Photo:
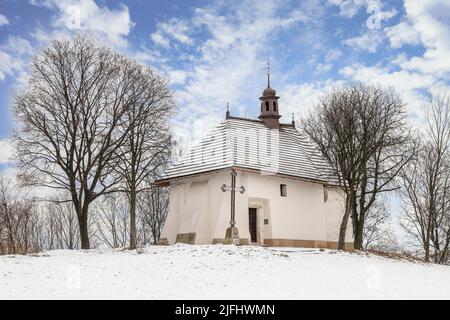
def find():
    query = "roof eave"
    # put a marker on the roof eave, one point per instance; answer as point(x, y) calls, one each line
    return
point(167, 181)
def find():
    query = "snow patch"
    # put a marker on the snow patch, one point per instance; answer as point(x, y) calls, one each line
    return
point(218, 272)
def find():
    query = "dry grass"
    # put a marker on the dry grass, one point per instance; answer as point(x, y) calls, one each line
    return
point(403, 255)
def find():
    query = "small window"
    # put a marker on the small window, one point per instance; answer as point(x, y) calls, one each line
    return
point(267, 105)
point(275, 106)
point(283, 190)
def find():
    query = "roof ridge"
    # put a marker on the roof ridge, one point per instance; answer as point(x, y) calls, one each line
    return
point(256, 120)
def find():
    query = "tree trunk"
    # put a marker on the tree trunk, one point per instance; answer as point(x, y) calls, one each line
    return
point(427, 252)
point(84, 230)
point(344, 223)
point(359, 235)
point(132, 198)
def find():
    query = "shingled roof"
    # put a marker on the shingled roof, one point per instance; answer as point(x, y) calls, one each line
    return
point(249, 144)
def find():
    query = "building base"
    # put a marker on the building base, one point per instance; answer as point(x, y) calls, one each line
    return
point(232, 236)
point(306, 244)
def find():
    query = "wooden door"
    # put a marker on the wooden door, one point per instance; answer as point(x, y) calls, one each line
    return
point(252, 224)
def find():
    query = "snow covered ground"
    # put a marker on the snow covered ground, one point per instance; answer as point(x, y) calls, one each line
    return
point(217, 272)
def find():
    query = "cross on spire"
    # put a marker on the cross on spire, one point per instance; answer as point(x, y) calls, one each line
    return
point(268, 74)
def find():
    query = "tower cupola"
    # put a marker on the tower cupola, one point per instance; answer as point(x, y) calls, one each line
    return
point(269, 105)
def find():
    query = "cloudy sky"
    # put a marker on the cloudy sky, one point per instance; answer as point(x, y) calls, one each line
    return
point(214, 52)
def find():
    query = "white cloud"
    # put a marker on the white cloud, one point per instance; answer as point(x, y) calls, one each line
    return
point(402, 33)
point(405, 82)
point(173, 30)
point(350, 8)
point(17, 45)
point(7, 65)
point(9, 174)
point(177, 76)
point(403, 79)
point(333, 55)
point(112, 25)
point(323, 67)
point(107, 26)
point(231, 61)
point(299, 98)
point(430, 19)
point(347, 8)
point(6, 151)
point(426, 23)
point(14, 53)
point(368, 41)
point(385, 15)
point(3, 20)
point(159, 39)
point(144, 55)
point(326, 65)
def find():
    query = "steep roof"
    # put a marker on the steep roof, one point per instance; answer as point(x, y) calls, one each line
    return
point(249, 144)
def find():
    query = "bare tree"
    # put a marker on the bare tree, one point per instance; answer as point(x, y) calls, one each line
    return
point(74, 117)
point(154, 205)
point(61, 225)
point(378, 229)
point(148, 143)
point(112, 223)
point(426, 182)
point(18, 220)
point(362, 132)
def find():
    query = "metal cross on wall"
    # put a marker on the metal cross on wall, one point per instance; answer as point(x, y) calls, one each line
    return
point(232, 234)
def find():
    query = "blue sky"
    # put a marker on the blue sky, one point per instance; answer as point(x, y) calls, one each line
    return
point(214, 52)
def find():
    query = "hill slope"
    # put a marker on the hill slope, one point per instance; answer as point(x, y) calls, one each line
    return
point(218, 272)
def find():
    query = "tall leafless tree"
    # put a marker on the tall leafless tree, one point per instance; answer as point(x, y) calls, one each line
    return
point(18, 220)
point(154, 205)
point(61, 227)
point(74, 117)
point(362, 132)
point(378, 231)
point(148, 143)
point(112, 220)
point(426, 182)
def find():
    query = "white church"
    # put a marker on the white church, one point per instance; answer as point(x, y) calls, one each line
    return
point(254, 181)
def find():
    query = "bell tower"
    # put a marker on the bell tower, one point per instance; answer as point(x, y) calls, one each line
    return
point(269, 105)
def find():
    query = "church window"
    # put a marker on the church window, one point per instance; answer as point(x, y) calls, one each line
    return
point(283, 190)
point(267, 105)
point(275, 106)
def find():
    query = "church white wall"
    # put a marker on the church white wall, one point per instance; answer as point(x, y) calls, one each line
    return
point(334, 209)
point(173, 220)
point(198, 205)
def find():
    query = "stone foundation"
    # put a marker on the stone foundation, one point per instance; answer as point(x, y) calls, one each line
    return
point(188, 238)
point(305, 243)
point(242, 241)
point(163, 242)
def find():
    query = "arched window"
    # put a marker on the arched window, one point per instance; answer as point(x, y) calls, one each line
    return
point(267, 105)
point(262, 104)
point(275, 106)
